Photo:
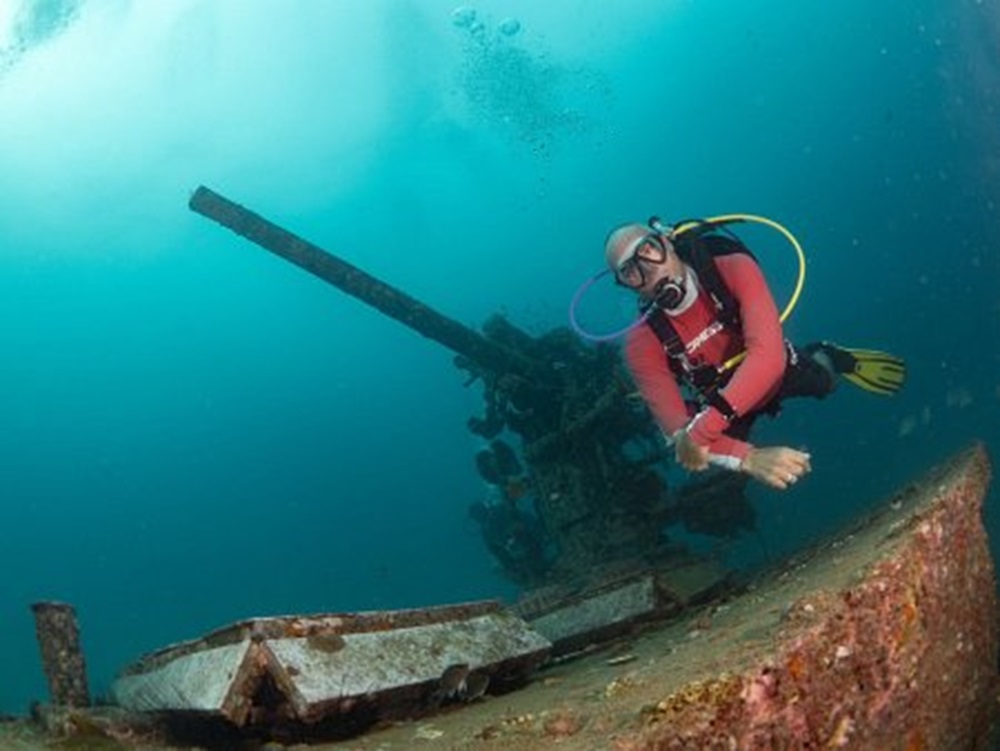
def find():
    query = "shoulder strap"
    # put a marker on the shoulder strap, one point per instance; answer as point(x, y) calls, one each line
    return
point(659, 322)
point(699, 247)
point(704, 380)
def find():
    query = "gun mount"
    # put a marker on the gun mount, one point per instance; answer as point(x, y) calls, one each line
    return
point(590, 449)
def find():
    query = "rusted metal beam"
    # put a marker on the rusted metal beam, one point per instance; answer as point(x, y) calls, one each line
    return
point(62, 658)
point(359, 284)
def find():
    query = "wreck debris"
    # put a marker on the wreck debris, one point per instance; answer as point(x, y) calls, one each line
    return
point(881, 637)
point(892, 645)
point(717, 505)
point(898, 650)
point(515, 538)
point(583, 488)
point(65, 669)
point(579, 622)
point(350, 279)
point(354, 669)
point(598, 612)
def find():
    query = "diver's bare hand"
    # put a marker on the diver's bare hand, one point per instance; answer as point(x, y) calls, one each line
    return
point(777, 466)
point(689, 454)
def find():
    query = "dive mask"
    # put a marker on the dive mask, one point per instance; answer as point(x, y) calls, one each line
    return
point(631, 271)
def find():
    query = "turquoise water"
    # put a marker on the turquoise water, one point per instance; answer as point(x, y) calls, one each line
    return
point(195, 432)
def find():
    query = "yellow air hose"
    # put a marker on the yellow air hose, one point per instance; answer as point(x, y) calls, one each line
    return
point(732, 362)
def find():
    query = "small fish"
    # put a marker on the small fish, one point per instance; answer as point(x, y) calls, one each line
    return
point(475, 686)
point(451, 684)
point(452, 681)
point(620, 660)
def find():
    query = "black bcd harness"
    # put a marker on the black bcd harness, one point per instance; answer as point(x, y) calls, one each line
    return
point(698, 247)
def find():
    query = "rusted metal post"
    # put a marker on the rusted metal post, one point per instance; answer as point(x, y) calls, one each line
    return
point(62, 658)
point(349, 278)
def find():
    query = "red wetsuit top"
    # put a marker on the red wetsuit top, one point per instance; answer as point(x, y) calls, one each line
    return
point(755, 380)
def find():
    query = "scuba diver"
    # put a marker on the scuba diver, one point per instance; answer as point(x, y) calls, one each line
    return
point(708, 354)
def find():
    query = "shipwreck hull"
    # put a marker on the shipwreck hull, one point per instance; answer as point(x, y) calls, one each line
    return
point(882, 637)
point(902, 655)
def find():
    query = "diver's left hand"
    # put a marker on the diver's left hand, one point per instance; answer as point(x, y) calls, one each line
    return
point(689, 454)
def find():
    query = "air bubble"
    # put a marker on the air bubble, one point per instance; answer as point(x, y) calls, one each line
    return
point(463, 17)
point(510, 26)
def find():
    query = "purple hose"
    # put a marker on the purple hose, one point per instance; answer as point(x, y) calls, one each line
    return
point(600, 337)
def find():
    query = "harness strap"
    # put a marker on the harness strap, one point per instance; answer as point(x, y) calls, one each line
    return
point(722, 404)
point(698, 247)
point(699, 251)
point(677, 357)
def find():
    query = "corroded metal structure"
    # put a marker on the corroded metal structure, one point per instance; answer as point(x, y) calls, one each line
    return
point(590, 450)
point(882, 636)
point(62, 658)
point(352, 669)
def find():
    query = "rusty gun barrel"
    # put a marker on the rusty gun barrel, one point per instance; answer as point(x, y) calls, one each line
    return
point(350, 279)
